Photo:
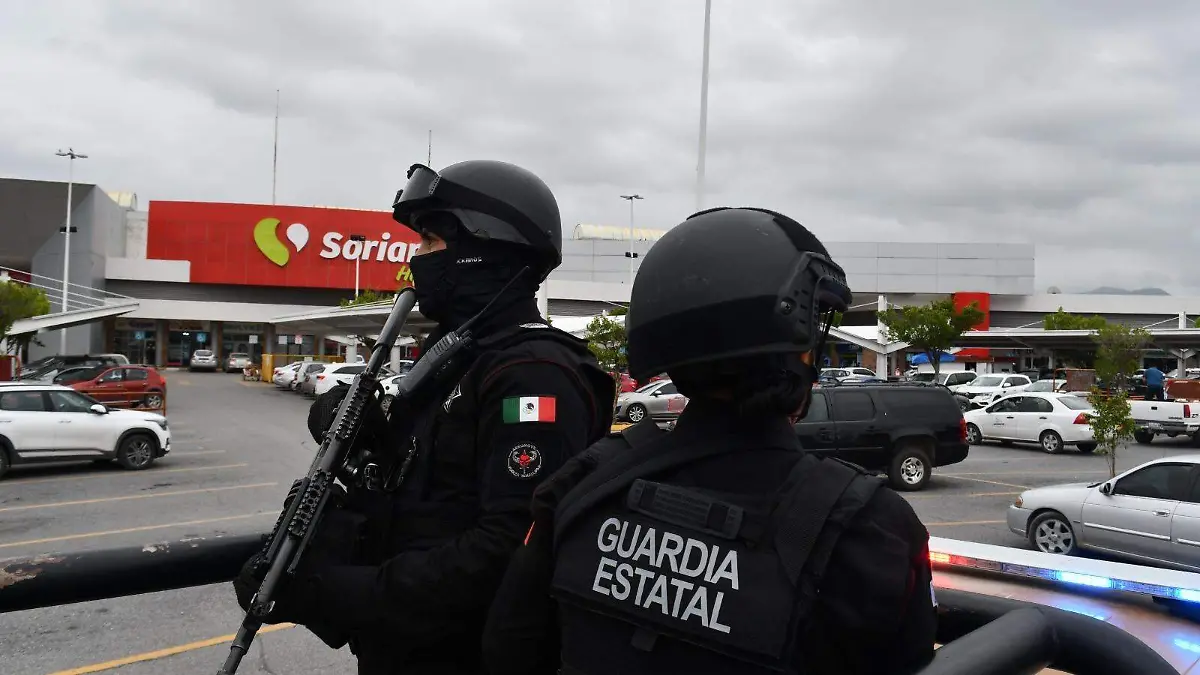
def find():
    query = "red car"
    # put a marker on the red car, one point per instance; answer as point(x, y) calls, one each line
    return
point(126, 386)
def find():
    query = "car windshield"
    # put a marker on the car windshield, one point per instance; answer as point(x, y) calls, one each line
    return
point(1044, 385)
point(987, 381)
point(203, 352)
point(1075, 402)
point(923, 377)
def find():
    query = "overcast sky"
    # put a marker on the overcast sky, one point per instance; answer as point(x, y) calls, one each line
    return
point(1069, 124)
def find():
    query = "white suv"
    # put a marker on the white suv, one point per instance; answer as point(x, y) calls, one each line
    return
point(54, 423)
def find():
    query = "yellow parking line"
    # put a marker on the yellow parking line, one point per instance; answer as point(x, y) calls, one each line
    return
point(143, 528)
point(980, 480)
point(163, 653)
point(964, 522)
point(151, 495)
point(123, 474)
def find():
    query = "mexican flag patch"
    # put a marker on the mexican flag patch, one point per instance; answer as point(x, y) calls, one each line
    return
point(528, 409)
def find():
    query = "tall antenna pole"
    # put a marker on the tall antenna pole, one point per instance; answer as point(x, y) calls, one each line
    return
point(703, 109)
point(429, 155)
point(275, 152)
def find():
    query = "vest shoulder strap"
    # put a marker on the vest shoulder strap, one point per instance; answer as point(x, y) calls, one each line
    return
point(617, 475)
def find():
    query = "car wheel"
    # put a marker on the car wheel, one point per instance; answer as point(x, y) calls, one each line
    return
point(1051, 532)
point(153, 400)
point(136, 452)
point(1086, 447)
point(4, 463)
point(636, 413)
point(974, 435)
point(910, 469)
point(386, 402)
point(1143, 437)
point(1051, 442)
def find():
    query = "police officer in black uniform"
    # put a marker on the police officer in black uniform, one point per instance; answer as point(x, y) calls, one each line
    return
point(410, 593)
point(720, 546)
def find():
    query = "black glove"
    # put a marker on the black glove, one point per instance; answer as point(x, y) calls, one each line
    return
point(324, 409)
point(297, 598)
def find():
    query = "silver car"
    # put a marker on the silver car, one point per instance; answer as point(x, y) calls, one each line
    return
point(203, 359)
point(237, 362)
point(1148, 514)
point(654, 399)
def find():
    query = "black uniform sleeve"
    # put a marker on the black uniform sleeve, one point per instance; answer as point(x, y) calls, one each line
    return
point(533, 418)
point(521, 635)
point(877, 611)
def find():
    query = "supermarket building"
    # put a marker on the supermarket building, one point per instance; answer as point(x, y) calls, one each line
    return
point(255, 278)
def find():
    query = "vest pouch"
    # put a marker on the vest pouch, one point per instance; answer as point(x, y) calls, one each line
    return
point(673, 563)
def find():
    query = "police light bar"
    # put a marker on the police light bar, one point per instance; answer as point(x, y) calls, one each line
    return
point(1068, 571)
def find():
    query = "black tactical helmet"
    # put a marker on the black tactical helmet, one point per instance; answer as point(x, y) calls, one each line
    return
point(493, 200)
point(727, 283)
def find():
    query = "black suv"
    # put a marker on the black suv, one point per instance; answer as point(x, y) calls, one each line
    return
point(905, 429)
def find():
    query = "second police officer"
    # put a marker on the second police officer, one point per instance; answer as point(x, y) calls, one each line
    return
point(413, 593)
point(720, 547)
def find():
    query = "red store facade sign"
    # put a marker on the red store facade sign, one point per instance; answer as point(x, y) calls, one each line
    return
point(288, 246)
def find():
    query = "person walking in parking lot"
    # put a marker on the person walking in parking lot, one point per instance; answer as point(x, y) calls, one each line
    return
point(720, 547)
point(1154, 384)
point(413, 593)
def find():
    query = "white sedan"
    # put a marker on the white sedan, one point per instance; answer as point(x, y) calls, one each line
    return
point(1051, 420)
point(333, 375)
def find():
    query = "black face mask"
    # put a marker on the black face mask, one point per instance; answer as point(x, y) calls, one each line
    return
point(454, 284)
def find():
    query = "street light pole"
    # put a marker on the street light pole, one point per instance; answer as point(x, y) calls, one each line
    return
point(357, 259)
point(631, 253)
point(72, 155)
point(703, 110)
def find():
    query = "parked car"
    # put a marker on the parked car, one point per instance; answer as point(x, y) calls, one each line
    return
point(237, 362)
point(1167, 418)
point(45, 369)
point(903, 429)
point(987, 389)
point(75, 374)
point(844, 373)
point(306, 371)
point(333, 375)
point(653, 399)
point(126, 386)
point(951, 379)
point(1047, 385)
point(1148, 514)
point(1053, 421)
point(283, 376)
point(55, 423)
point(391, 384)
point(203, 359)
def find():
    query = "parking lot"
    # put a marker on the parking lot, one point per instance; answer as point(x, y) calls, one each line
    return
point(236, 448)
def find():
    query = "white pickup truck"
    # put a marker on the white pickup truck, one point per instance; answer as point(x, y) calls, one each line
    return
point(1169, 418)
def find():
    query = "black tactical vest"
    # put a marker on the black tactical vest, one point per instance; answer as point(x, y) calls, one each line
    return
point(653, 577)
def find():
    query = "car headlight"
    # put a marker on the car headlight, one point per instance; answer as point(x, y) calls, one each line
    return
point(1019, 501)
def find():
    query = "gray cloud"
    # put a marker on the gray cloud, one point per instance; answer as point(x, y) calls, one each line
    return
point(1068, 124)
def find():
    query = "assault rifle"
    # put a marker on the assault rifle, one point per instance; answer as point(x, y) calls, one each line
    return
point(334, 460)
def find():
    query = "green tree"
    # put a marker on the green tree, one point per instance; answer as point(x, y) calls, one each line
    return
point(606, 339)
point(1060, 320)
point(20, 301)
point(931, 328)
point(1118, 354)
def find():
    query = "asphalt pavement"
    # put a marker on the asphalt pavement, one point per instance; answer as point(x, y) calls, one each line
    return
point(236, 448)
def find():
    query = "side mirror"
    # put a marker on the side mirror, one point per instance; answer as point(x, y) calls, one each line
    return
point(98, 409)
point(1106, 488)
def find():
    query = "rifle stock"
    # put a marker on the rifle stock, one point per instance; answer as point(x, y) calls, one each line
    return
point(333, 461)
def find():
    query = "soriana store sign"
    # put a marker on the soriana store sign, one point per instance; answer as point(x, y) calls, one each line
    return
point(298, 246)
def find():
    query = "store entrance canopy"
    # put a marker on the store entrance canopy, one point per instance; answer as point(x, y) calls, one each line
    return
point(75, 317)
point(366, 320)
point(1161, 338)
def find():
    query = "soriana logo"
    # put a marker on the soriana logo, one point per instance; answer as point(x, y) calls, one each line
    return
point(282, 245)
